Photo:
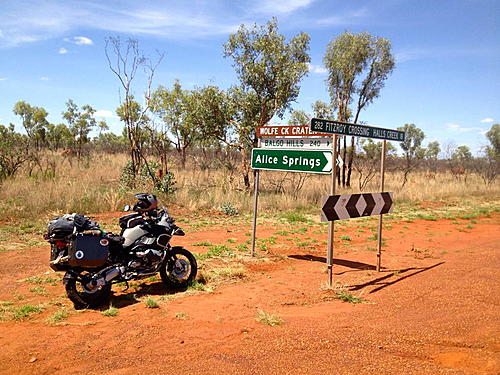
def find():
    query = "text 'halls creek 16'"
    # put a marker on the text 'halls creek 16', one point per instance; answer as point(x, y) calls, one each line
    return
point(94, 260)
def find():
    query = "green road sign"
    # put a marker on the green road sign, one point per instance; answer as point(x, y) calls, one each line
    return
point(310, 161)
point(356, 130)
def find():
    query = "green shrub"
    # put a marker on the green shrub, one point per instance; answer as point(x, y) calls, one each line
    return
point(228, 209)
point(348, 297)
point(268, 319)
point(151, 303)
point(112, 311)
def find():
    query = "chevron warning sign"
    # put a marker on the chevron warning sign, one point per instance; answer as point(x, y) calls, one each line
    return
point(349, 206)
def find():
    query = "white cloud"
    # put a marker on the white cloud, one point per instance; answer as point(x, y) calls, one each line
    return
point(3, 79)
point(44, 78)
point(31, 20)
point(487, 120)
point(316, 69)
point(343, 19)
point(25, 21)
point(411, 55)
point(458, 128)
point(63, 51)
point(80, 40)
point(274, 7)
point(104, 113)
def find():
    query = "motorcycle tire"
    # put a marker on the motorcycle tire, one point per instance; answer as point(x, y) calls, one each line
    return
point(83, 298)
point(179, 269)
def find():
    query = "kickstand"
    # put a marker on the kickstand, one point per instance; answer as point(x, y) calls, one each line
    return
point(126, 283)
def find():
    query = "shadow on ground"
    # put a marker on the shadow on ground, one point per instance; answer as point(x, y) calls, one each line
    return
point(380, 282)
point(340, 262)
point(133, 295)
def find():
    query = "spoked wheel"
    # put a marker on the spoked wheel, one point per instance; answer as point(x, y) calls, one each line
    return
point(179, 269)
point(82, 295)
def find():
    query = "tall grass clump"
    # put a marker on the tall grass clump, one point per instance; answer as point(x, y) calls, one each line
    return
point(96, 184)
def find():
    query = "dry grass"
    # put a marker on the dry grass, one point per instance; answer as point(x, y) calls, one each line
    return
point(93, 186)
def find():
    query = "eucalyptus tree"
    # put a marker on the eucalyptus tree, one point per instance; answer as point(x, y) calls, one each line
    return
point(493, 136)
point(80, 123)
point(58, 136)
point(269, 70)
point(14, 151)
point(124, 60)
point(358, 66)
point(433, 150)
point(411, 147)
point(173, 107)
point(323, 110)
point(34, 121)
point(213, 111)
point(299, 117)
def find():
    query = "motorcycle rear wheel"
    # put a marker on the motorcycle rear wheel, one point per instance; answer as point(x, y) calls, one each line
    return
point(179, 270)
point(84, 298)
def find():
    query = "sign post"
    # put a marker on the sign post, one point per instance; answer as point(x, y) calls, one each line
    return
point(255, 201)
point(311, 161)
point(379, 233)
point(331, 224)
point(356, 130)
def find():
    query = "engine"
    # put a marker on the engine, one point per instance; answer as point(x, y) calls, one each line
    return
point(145, 259)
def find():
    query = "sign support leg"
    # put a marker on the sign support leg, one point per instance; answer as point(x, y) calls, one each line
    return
point(379, 233)
point(255, 201)
point(331, 224)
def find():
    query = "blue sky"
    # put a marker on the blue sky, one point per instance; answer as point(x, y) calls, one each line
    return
point(446, 79)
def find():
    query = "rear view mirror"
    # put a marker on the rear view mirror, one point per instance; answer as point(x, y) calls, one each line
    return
point(126, 208)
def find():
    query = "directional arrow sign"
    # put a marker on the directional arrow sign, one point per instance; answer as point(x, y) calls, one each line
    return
point(310, 161)
point(286, 131)
point(348, 206)
point(356, 130)
point(297, 143)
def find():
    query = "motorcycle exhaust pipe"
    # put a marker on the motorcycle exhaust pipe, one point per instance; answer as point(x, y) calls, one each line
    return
point(106, 275)
point(112, 273)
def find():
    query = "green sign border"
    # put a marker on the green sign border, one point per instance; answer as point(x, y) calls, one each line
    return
point(356, 130)
point(289, 152)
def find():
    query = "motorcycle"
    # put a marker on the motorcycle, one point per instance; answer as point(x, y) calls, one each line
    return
point(94, 260)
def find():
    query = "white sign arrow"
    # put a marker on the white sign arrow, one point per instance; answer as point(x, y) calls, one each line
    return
point(340, 162)
point(340, 207)
point(379, 203)
point(328, 166)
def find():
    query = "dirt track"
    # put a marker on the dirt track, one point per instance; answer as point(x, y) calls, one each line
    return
point(433, 310)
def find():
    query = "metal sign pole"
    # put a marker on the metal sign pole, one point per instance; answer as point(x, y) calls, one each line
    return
point(331, 224)
point(379, 236)
point(255, 200)
point(256, 176)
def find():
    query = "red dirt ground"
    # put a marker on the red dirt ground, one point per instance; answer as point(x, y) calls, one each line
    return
point(434, 309)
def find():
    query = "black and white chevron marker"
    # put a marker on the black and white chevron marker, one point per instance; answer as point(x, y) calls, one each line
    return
point(349, 206)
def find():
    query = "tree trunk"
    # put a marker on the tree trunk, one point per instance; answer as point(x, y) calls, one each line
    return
point(183, 157)
point(334, 161)
point(344, 164)
point(245, 168)
point(351, 159)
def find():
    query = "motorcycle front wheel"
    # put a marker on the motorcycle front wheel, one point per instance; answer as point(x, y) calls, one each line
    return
point(179, 269)
point(83, 297)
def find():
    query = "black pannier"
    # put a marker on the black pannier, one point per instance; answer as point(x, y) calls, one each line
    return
point(131, 220)
point(63, 226)
point(88, 251)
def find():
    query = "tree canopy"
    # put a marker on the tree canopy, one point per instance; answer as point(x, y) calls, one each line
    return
point(269, 66)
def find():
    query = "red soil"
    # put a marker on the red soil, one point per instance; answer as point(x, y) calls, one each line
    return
point(434, 309)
